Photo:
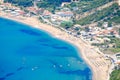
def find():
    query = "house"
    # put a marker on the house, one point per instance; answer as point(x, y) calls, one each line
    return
point(46, 14)
point(98, 40)
point(83, 33)
point(75, 8)
point(40, 11)
point(113, 45)
point(77, 25)
point(117, 58)
point(106, 39)
point(20, 12)
point(7, 11)
point(32, 9)
point(65, 9)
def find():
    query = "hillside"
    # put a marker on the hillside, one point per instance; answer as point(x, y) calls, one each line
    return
point(110, 14)
point(24, 3)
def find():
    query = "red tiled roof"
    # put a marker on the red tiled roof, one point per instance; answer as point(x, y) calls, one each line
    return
point(31, 9)
point(22, 12)
point(46, 12)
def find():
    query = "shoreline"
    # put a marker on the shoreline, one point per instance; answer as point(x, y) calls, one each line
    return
point(88, 54)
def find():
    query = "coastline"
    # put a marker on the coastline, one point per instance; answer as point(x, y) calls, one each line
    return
point(85, 50)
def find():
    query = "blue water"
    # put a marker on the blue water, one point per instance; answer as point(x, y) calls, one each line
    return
point(30, 54)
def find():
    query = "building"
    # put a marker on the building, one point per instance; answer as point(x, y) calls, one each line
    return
point(105, 24)
point(117, 58)
point(119, 2)
point(74, 0)
point(1, 1)
point(46, 14)
point(64, 3)
point(65, 16)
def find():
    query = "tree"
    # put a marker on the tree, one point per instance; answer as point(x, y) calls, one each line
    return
point(109, 24)
point(25, 3)
point(99, 24)
point(115, 75)
point(87, 29)
point(118, 12)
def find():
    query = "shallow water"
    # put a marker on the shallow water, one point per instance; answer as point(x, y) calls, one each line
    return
point(30, 54)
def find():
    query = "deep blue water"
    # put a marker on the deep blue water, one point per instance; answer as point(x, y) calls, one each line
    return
point(30, 54)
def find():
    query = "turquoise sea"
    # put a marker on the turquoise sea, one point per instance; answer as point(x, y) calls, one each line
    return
point(27, 53)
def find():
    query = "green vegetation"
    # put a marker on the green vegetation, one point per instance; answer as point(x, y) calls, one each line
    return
point(99, 15)
point(49, 4)
point(116, 41)
point(25, 3)
point(66, 24)
point(115, 19)
point(41, 20)
point(115, 75)
point(117, 45)
point(115, 50)
point(86, 5)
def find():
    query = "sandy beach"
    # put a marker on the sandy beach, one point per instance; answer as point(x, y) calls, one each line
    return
point(90, 54)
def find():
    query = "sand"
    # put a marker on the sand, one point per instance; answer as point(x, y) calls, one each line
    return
point(93, 57)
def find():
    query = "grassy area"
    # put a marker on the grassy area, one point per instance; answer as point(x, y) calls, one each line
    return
point(115, 18)
point(117, 43)
point(115, 50)
point(100, 15)
point(66, 24)
point(115, 75)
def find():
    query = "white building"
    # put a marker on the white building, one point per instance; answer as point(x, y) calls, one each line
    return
point(65, 15)
point(105, 24)
point(74, 0)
